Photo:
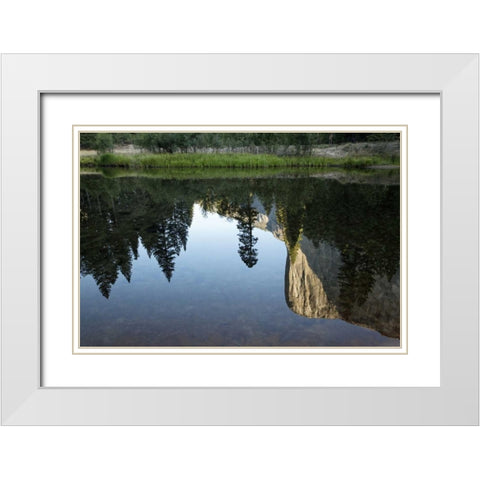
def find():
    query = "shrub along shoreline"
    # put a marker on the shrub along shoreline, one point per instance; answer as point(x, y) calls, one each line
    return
point(230, 160)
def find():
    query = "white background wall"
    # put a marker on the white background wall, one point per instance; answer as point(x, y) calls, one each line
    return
point(239, 452)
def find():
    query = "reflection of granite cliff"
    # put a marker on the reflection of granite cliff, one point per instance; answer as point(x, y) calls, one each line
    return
point(304, 292)
point(313, 288)
point(380, 310)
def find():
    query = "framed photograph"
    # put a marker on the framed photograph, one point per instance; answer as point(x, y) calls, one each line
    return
point(240, 239)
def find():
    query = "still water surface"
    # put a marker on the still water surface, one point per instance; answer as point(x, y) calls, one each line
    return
point(289, 260)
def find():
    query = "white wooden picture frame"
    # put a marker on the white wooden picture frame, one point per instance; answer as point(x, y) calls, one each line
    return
point(25, 78)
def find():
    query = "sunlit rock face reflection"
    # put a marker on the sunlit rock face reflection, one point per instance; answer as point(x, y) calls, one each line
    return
point(304, 292)
point(320, 284)
point(314, 288)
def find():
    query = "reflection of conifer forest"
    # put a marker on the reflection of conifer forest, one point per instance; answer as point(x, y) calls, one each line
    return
point(361, 221)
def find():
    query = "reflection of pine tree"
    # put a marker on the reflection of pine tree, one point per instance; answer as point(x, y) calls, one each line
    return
point(102, 266)
point(291, 221)
point(182, 219)
point(105, 279)
point(246, 216)
point(115, 214)
point(125, 265)
point(166, 249)
point(208, 202)
point(166, 238)
point(97, 257)
point(356, 280)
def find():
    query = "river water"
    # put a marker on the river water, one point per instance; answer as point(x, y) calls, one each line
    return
point(288, 259)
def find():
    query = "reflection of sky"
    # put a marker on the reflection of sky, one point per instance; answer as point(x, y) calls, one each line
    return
point(213, 298)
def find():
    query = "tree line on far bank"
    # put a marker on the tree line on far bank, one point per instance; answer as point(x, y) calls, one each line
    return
point(301, 143)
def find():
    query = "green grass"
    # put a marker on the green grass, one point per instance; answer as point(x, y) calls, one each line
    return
point(389, 176)
point(227, 160)
point(201, 172)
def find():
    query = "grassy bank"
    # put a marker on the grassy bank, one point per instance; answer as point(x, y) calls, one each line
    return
point(389, 176)
point(226, 160)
